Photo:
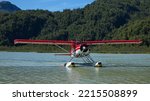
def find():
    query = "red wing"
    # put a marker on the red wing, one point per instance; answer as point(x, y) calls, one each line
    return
point(61, 42)
point(50, 42)
point(99, 42)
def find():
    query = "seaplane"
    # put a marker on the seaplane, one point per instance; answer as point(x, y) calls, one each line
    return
point(79, 49)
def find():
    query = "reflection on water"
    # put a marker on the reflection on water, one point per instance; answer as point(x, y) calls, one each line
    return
point(22, 67)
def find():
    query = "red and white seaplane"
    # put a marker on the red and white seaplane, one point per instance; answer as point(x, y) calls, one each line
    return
point(78, 49)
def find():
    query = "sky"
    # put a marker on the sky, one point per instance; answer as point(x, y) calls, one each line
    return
point(51, 5)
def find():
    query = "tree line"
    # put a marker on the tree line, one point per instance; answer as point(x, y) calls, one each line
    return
point(102, 19)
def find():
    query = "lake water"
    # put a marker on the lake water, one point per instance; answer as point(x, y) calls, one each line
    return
point(46, 68)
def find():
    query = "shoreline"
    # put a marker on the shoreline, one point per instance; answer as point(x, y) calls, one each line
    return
point(94, 49)
point(57, 52)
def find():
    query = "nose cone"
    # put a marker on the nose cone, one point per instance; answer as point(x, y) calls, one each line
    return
point(84, 48)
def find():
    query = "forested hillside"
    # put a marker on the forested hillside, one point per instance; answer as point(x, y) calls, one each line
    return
point(103, 19)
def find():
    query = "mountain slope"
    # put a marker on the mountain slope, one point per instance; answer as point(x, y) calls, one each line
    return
point(6, 6)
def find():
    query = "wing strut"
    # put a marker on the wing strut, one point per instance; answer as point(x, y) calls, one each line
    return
point(61, 48)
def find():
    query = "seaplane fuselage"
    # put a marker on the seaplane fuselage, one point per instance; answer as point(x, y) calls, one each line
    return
point(80, 50)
